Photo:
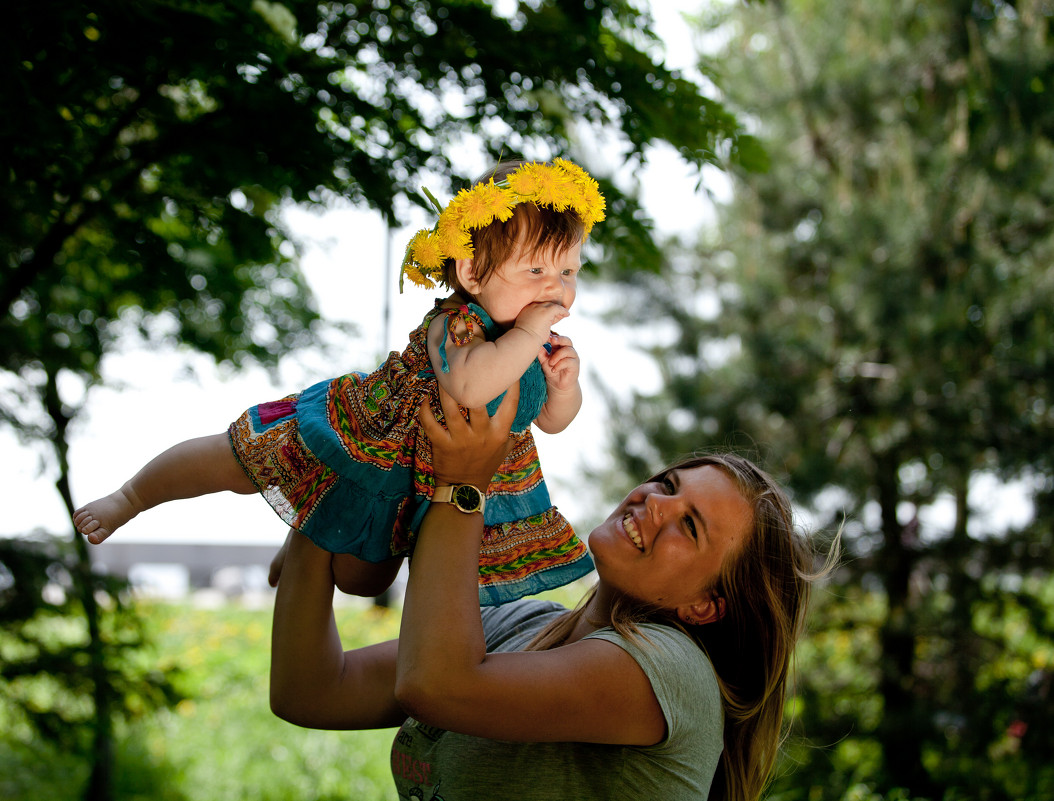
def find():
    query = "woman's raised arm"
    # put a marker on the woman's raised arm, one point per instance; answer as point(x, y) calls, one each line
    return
point(588, 691)
point(314, 682)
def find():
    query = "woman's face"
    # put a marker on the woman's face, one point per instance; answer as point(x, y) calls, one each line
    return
point(667, 540)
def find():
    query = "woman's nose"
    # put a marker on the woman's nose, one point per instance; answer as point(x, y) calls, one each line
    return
point(656, 504)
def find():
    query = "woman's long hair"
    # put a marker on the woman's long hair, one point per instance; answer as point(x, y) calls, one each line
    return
point(766, 586)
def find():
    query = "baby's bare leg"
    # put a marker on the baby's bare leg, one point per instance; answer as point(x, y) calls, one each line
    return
point(354, 576)
point(192, 468)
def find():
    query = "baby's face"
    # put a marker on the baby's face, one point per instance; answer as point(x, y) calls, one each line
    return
point(536, 278)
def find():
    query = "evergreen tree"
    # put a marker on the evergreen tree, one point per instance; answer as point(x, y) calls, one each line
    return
point(874, 315)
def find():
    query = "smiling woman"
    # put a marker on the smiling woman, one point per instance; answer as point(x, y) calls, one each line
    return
point(682, 526)
point(667, 681)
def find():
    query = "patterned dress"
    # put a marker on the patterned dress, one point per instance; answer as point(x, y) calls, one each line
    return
point(345, 463)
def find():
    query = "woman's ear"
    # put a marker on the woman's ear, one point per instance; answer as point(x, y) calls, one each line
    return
point(466, 275)
point(699, 614)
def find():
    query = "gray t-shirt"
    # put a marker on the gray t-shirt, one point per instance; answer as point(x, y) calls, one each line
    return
point(436, 765)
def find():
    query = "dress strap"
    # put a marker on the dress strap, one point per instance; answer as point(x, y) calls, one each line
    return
point(461, 315)
point(470, 317)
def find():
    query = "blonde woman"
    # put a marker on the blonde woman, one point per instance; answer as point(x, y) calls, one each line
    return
point(667, 681)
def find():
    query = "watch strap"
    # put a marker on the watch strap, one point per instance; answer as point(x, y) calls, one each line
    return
point(448, 493)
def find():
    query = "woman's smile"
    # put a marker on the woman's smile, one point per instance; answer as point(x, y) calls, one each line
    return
point(629, 525)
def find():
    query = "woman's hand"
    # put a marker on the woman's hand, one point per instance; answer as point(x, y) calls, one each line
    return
point(469, 451)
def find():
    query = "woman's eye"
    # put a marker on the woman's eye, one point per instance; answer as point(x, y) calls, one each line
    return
point(689, 523)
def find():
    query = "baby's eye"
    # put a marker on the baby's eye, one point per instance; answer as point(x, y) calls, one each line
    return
point(667, 482)
point(535, 271)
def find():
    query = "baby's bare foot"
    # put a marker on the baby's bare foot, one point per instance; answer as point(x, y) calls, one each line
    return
point(101, 518)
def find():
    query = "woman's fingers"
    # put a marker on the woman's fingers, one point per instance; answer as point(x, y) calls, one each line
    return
point(429, 424)
point(506, 412)
point(469, 450)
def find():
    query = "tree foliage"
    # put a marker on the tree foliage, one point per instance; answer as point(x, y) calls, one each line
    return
point(154, 141)
point(879, 323)
point(43, 639)
point(149, 148)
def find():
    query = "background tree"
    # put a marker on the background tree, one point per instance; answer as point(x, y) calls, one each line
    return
point(875, 314)
point(149, 147)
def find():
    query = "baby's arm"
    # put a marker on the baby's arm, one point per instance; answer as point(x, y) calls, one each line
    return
point(479, 370)
point(564, 394)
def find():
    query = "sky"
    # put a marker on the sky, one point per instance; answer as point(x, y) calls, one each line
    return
point(152, 399)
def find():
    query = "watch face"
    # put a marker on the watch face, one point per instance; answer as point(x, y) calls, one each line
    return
point(468, 498)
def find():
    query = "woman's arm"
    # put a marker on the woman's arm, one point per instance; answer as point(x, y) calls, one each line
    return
point(589, 691)
point(314, 682)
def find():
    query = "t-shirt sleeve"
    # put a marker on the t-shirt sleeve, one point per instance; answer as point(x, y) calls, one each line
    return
point(510, 627)
point(682, 679)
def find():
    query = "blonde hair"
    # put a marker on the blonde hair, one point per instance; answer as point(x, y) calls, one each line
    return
point(531, 229)
point(766, 585)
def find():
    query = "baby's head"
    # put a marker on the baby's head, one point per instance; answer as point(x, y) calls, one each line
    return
point(531, 230)
point(517, 209)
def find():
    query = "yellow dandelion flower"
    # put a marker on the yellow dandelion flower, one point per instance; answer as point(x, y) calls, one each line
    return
point(524, 181)
point(574, 172)
point(451, 215)
point(455, 242)
point(428, 253)
point(592, 204)
point(417, 277)
point(408, 257)
point(484, 203)
point(553, 189)
point(411, 269)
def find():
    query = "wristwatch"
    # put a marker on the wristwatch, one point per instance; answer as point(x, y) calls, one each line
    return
point(465, 497)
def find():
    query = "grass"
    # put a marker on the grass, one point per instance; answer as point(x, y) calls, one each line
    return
point(222, 743)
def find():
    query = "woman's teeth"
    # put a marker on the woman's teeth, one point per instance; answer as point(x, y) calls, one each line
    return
point(631, 529)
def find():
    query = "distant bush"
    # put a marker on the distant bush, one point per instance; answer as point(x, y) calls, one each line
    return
point(221, 742)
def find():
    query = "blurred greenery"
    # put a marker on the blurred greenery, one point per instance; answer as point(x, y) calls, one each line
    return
point(156, 143)
point(873, 319)
point(873, 315)
point(48, 667)
point(220, 742)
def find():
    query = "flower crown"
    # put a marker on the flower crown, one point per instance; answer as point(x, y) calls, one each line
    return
point(562, 186)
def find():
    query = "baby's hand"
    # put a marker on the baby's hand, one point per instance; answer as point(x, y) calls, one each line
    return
point(560, 363)
point(538, 318)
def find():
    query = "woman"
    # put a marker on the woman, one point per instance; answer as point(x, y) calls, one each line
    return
point(668, 681)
